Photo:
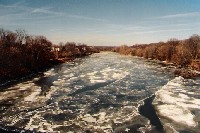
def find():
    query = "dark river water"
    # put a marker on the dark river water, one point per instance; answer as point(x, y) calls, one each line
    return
point(102, 93)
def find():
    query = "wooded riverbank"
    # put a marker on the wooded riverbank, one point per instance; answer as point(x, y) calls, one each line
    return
point(23, 55)
point(183, 54)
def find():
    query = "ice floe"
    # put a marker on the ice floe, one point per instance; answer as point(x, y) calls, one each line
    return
point(175, 102)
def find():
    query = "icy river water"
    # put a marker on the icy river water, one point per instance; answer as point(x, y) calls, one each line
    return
point(102, 93)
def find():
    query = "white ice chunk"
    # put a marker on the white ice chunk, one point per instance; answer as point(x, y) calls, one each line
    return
point(178, 114)
point(176, 104)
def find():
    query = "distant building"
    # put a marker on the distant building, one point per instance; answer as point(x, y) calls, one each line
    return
point(56, 50)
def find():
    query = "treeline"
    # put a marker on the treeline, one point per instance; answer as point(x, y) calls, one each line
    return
point(184, 53)
point(71, 50)
point(105, 48)
point(22, 54)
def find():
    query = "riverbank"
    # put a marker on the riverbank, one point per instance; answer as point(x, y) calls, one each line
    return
point(183, 54)
point(25, 75)
point(29, 76)
point(177, 70)
point(24, 55)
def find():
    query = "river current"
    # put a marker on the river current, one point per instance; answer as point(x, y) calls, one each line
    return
point(102, 93)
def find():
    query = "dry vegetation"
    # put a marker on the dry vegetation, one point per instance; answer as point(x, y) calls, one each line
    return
point(183, 53)
point(22, 54)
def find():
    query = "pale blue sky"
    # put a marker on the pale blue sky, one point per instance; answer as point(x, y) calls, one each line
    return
point(103, 22)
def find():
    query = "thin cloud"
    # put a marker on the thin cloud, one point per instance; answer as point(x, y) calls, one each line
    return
point(48, 11)
point(151, 32)
point(159, 31)
point(125, 28)
point(45, 10)
point(42, 10)
point(183, 15)
point(7, 6)
point(84, 17)
point(23, 15)
point(16, 7)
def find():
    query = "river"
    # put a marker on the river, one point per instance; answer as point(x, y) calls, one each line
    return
point(102, 93)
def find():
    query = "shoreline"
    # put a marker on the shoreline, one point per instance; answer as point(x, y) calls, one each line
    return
point(54, 63)
point(31, 76)
point(184, 72)
point(176, 70)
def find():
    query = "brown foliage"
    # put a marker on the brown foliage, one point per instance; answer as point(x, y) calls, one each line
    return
point(73, 50)
point(178, 52)
point(125, 50)
point(21, 54)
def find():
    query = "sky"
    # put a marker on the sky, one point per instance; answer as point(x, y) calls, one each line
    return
point(103, 22)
